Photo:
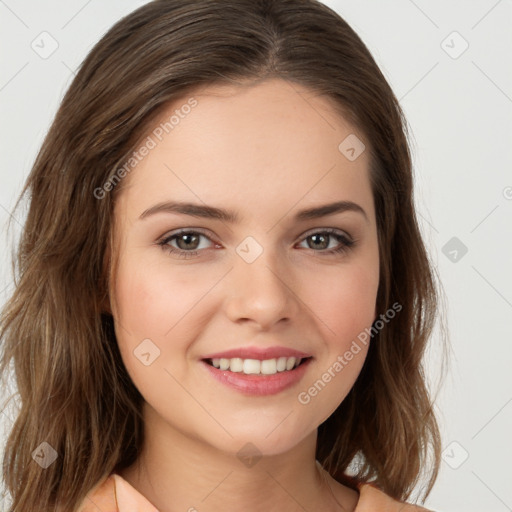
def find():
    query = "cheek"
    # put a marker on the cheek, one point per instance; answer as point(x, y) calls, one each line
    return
point(152, 303)
point(165, 305)
point(345, 304)
point(153, 298)
point(343, 309)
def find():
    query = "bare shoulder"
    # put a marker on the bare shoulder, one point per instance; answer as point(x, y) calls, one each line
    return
point(101, 497)
point(371, 498)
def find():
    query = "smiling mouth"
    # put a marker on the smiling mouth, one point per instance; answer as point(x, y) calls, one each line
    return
point(256, 366)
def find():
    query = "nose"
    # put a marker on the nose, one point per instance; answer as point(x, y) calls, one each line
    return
point(261, 292)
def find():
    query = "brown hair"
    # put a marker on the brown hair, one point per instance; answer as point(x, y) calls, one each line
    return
point(74, 391)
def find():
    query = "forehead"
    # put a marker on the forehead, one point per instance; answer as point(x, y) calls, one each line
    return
point(271, 142)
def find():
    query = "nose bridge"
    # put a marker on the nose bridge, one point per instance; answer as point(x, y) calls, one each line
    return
point(259, 287)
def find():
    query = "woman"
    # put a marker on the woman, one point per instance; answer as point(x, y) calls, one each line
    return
point(222, 276)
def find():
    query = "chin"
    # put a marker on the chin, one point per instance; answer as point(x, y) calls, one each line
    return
point(262, 443)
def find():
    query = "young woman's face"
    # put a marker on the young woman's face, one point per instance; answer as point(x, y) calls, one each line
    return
point(274, 283)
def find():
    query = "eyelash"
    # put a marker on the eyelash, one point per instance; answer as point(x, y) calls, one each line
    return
point(345, 243)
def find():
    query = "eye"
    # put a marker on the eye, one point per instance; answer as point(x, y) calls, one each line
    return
point(188, 243)
point(322, 240)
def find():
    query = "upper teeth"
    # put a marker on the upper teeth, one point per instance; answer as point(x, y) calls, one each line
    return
point(265, 367)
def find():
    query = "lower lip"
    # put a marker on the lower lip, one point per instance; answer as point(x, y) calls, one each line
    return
point(259, 385)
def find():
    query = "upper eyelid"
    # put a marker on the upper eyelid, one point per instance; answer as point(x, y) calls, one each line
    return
point(332, 231)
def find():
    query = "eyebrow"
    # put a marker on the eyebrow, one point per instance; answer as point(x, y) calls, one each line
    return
point(211, 212)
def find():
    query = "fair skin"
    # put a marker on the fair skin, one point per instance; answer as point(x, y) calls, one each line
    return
point(266, 152)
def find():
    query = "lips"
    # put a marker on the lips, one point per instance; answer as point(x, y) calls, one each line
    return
point(258, 384)
point(258, 353)
point(258, 371)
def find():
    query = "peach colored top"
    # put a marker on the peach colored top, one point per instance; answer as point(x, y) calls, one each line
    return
point(115, 494)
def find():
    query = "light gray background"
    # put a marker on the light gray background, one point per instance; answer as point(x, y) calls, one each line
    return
point(459, 108)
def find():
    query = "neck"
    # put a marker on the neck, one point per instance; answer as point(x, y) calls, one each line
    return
point(178, 472)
